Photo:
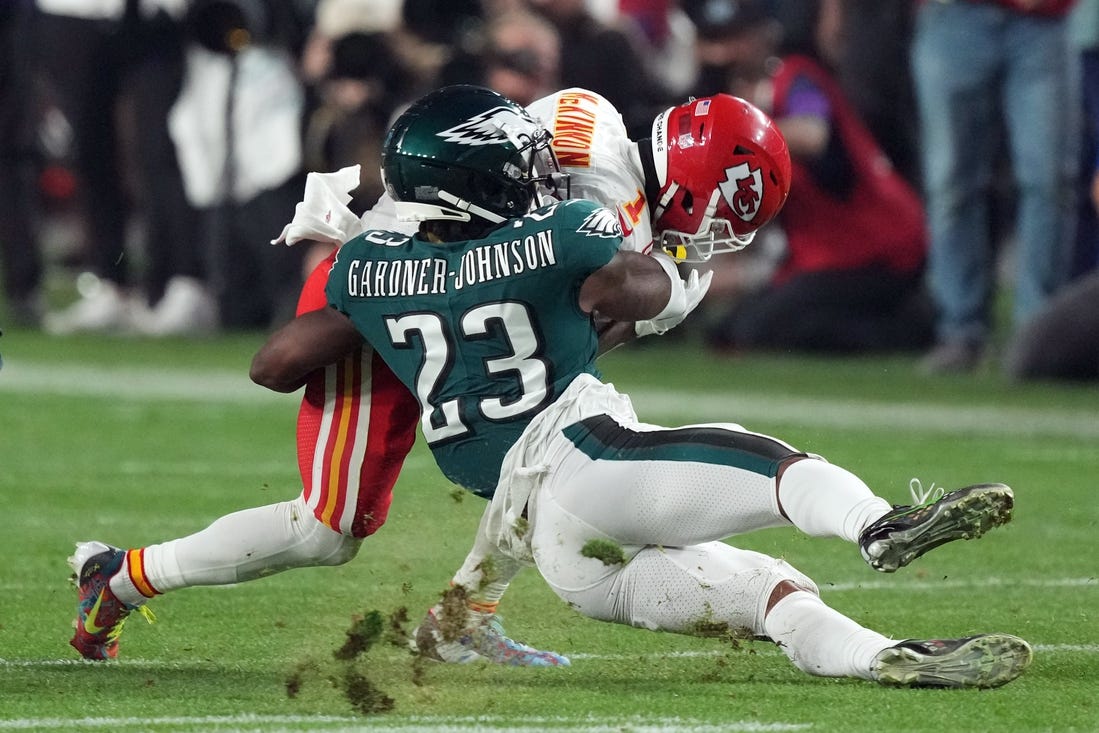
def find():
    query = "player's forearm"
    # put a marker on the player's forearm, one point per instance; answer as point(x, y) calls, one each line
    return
point(613, 334)
point(309, 342)
point(631, 287)
point(278, 369)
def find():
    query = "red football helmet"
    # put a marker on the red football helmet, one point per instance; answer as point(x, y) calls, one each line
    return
point(724, 171)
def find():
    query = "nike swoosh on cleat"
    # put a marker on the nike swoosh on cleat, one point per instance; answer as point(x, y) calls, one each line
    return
point(89, 621)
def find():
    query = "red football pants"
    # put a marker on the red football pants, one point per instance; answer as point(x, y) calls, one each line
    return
point(356, 424)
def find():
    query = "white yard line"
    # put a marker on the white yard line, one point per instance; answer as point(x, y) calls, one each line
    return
point(133, 383)
point(410, 724)
point(234, 387)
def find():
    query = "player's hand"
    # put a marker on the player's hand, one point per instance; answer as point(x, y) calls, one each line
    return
point(694, 290)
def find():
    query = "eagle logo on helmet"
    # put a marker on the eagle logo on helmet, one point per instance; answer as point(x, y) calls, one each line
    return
point(488, 128)
point(742, 190)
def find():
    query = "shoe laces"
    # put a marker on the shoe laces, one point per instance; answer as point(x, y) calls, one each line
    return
point(142, 610)
point(923, 498)
point(146, 613)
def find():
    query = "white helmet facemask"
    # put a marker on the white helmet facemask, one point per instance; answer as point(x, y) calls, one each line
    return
point(714, 236)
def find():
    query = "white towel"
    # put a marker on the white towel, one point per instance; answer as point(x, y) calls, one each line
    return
point(322, 214)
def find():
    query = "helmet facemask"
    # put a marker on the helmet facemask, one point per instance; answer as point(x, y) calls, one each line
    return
point(714, 236)
point(543, 171)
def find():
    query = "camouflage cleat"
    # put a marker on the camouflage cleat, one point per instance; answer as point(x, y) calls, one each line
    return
point(987, 660)
point(100, 615)
point(907, 532)
point(485, 642)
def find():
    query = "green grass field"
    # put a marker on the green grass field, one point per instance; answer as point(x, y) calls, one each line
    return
point(132, 442)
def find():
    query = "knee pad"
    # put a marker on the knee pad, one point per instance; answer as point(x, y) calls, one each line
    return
point(782, 570)
point(319, 544)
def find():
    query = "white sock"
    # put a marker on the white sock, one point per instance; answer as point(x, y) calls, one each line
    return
point(824, 500)
point(240, 546)
point(820, 640)
point(486, 575)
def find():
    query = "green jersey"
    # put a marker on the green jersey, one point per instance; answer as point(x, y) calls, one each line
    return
point(486, 333)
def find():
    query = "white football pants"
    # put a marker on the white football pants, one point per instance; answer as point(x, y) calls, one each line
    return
point(666, 496)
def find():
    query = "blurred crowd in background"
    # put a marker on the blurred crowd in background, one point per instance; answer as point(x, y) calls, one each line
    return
point(944, 155)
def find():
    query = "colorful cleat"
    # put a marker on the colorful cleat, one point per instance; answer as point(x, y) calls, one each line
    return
point(934, 519)
point(485, 642)
point(986, 660)
point(100, 615)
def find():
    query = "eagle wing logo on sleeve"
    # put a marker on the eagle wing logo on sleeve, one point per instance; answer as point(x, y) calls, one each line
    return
point(600, 223)
point(487, 128)
point(742, 190)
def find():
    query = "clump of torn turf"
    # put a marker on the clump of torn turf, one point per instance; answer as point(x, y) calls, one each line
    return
point(521, 527)
point(397, 631)
point(609, 552)
point(296, 679)
point(712, 628)
point(363, 695)
point(364, 632)
point(453, 616)
point(419, 670)
point(489, 573)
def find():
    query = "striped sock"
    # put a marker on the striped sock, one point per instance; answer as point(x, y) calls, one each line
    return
point(129, 583)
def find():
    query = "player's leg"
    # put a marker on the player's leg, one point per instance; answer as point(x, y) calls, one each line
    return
point(355, 427)
point(240, 546)
point(821, 641)
point(463, 627)
point(356, 424)
point(645, 484)
point(715, 589)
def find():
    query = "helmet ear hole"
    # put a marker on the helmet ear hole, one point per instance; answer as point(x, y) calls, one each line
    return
point(688, 202)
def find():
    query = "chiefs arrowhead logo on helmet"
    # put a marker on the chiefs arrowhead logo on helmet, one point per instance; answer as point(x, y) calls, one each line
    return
point(742, 190)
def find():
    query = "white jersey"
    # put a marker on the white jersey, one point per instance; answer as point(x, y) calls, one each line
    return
point(591, 144)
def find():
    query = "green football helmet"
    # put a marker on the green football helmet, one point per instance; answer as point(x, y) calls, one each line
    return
point(464, 151)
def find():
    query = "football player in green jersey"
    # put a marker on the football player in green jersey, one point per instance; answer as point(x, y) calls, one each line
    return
point(489, 315)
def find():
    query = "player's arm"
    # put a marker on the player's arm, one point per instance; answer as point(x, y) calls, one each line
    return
point(631, 287)
point(645, 289)
point(613, 334)
point(310, 341)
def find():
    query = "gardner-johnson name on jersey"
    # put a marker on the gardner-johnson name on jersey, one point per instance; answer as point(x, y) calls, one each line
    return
point(432, 276)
